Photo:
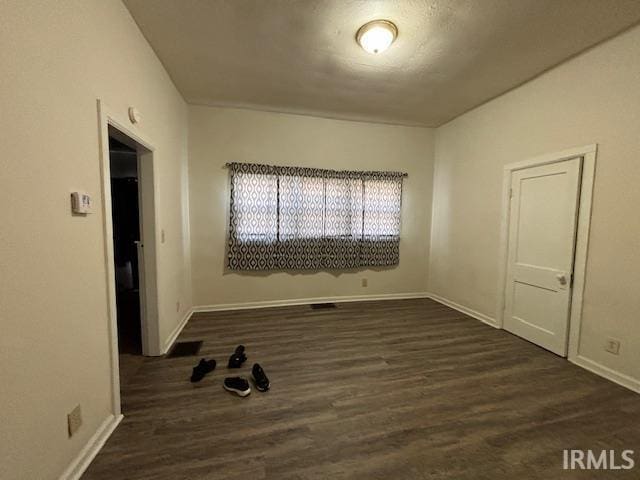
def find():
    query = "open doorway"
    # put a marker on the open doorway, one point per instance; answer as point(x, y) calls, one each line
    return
point(127, 249)
point(129, 216)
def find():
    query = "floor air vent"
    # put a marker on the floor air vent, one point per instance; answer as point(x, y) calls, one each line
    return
point(322, 306)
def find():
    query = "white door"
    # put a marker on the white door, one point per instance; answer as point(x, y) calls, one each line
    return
point(542, 228)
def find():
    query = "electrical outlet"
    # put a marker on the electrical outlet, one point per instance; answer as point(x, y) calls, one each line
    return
point(365, 282)
point(612, 346)
point(74, 420)
point(178, 306)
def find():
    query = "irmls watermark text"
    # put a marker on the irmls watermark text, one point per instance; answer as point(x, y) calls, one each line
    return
point(598, 460)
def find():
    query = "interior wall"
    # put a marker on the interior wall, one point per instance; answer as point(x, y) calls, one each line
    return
point(221, 135)
point(593, 98)
point(56, 59)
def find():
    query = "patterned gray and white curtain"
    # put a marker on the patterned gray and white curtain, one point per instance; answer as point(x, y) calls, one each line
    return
point(291, 218)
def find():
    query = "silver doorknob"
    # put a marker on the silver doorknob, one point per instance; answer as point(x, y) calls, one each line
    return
point(562, 278)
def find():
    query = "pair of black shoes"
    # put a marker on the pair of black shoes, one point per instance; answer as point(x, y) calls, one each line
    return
point(237, 385)
point(207, 366)
point(240, 386)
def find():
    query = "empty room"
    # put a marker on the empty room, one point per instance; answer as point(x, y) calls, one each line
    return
point(319, 239)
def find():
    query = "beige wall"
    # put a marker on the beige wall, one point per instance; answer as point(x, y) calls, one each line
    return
point(594, 98)
point(56, 59)
point(218, 136)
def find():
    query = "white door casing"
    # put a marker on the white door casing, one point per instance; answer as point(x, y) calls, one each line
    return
point(541, 244)
point(149, 317)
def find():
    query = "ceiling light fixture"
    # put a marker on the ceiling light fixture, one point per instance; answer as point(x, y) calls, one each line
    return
point(376, 36)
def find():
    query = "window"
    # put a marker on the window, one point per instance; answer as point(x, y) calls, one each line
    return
point(301, 207)
point(302, 218)
point(255, 207)
point(382, 208)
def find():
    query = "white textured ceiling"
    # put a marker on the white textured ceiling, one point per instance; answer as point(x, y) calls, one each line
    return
point(300, 56)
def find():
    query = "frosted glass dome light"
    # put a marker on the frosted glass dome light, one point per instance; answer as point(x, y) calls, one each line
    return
point(377, 36)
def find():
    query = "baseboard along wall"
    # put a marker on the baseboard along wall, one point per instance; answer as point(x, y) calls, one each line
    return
point(93, 446)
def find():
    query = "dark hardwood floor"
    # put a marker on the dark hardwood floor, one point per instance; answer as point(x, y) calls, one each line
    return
point(371, 390)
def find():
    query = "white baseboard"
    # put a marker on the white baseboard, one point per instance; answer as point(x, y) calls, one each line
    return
point(77, 467)
point(608, 373)
point(306, 301)
point(176, 331)
point(594, 367)
point(467, 311)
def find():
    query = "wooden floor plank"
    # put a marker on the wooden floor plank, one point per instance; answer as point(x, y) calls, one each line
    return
point(390, 390)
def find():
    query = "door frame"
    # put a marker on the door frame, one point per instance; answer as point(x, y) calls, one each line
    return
point(148, 270)
point(588, 163)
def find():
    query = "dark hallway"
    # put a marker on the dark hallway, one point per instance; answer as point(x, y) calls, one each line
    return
point(126, 237)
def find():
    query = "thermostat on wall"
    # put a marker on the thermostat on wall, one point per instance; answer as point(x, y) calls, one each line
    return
point(81, 203)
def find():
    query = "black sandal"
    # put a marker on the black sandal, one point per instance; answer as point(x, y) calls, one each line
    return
point(200, 370)
point(237, 358)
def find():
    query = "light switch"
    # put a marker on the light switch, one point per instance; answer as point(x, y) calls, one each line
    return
point(81, 203)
